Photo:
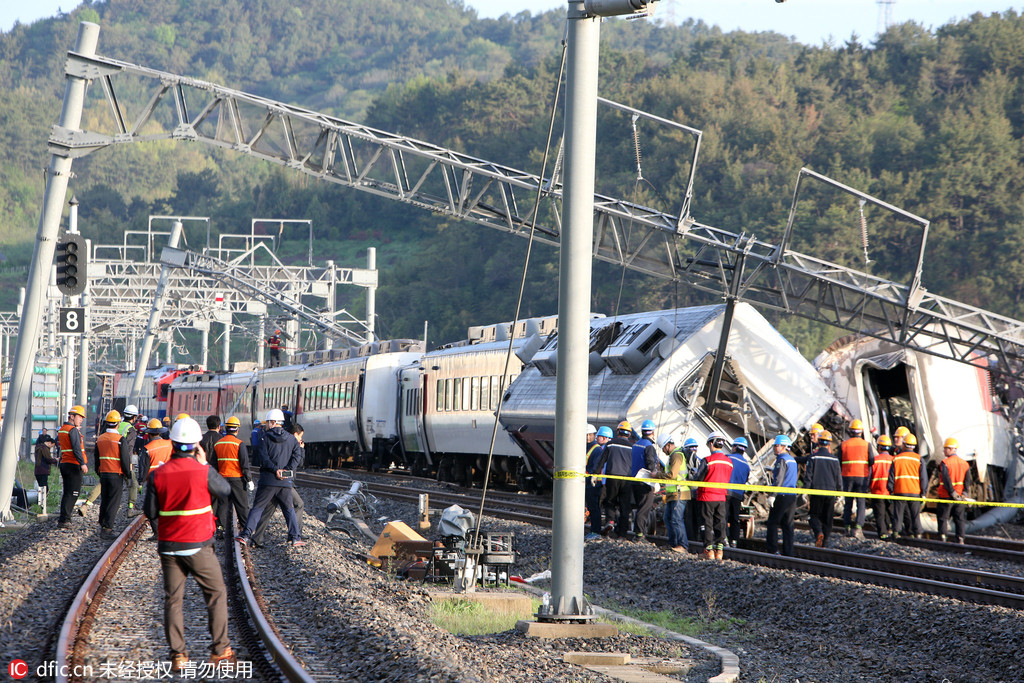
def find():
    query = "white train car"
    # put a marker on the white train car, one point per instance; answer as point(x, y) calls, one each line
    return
point(888, 386)
point(657, 366)
point(449, 399)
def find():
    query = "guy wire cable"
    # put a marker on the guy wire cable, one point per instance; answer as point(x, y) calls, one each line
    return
point(522, 282)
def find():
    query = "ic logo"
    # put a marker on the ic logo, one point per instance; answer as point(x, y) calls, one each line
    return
point(17, 668)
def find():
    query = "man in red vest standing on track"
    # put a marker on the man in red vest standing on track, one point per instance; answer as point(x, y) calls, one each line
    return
point(180, 494)
point(716, 468)
point(954, 476)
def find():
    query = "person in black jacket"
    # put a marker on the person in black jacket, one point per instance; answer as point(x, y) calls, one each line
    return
point(297, 503)
point(283, 455)
point(212, 435)
point(823, 472)
point(617, 460)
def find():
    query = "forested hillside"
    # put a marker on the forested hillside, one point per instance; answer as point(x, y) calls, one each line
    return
point(929, 122)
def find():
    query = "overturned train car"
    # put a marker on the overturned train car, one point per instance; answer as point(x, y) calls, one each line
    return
point(658, 365)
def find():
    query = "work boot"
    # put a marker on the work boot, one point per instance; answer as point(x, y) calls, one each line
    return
point(719, 553)
point(819, 542)
point(858, 533)
point(708, 554)
point(178, 661)
point(227, 656)
point(960, 540)
point(849, 530)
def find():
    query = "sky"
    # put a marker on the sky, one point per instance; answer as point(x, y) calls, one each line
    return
point(809, 21)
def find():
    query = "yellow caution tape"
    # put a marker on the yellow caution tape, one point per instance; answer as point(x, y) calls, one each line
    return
point(572, 474)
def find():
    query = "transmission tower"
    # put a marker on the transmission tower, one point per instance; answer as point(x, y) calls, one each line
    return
point(884, 15)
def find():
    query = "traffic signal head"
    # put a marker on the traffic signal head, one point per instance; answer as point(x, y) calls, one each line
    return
point(71, 261)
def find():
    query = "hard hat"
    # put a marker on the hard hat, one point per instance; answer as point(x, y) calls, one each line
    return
point(186, 433)
point(741, 442)
point(901, 431)
point(275, 415)
point(665, 439)
point(715, 436)
point(277, 331)
point(951, 443)
point(605, 432)
point(256, 423)
point(783, 440)
point(181, 416)
point(910, 440)
point(113, 417)
point(816, 428)
point(691, 443)
point(131, 410)
point(167, 420)
point(648, 426)
point(591, 429)
point(825, 436)
point(884, 440)
point(77, 410)
point(856, 426)
point(155, 426)
point(625, 426)
point(233, 422)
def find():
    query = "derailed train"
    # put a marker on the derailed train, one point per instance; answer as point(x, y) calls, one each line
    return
point(391, 403)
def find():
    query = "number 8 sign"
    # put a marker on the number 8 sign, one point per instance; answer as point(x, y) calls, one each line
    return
point(71, 321)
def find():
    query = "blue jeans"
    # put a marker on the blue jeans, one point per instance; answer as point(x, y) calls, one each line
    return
point(675, 511)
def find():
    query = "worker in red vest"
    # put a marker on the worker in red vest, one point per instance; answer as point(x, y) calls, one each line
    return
point(856, 460)
point(274, 344)
point(717, 468)
point(880, 485)
point(231, 458)
point(180, 494)
point(908, 478)
point(954, 476)
point(73, 463)
point(112, 455)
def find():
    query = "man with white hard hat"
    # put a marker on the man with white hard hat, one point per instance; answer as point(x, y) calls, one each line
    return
point(283, 455)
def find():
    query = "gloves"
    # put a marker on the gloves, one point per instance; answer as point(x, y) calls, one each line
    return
point(771, 501)
point(249, 486)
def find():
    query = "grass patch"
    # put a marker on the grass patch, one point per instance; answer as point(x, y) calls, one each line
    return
point(468, 618)
point(687, 626)
point(27, 479)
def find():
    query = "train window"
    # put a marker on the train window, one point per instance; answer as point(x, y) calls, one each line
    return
point(495, 391)
point(448, 394)
point(474, 394)
point(485, 393)
point(439, 396)
point(457, 394)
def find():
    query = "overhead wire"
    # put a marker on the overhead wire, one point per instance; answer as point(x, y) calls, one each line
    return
point(522, 282)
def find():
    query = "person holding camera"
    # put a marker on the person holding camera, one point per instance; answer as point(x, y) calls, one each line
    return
point(283, 455)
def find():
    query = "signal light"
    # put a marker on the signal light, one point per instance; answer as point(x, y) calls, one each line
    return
point(71, 259)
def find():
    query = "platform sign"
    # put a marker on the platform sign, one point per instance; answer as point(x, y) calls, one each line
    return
point(71, 321)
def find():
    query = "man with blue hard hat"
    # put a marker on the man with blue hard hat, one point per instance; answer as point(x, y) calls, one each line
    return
point(734, 501)
point(783, 505)
point(645, 457)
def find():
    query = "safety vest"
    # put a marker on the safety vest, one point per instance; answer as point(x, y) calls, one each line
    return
point(159, 453)
point(227, 456)
point(719, 472)
point(880, 474)
point(67, 455)
point(854, 457)
point(109, 446)
point(957, 468)
point(908, 474)
point(673, 491)
point(186, 513)
point(275, 342)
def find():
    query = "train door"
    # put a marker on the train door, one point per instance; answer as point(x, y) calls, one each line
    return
point(411, 409)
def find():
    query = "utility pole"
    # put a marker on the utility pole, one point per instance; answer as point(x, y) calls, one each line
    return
point(57, 175)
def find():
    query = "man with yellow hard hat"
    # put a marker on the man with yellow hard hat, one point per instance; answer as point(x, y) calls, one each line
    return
point(954, 477)
point(73, 463)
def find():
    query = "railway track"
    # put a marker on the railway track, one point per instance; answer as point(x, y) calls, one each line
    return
point(86, 629)
point(963, 584)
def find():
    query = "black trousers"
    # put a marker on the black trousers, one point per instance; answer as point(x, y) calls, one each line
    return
point(959, 513)
point(855, 485)
point(71, 477)
point(111, 487)
point(782, 514)
point(646, 499)
point(911, 508)
point(592, 494)
point(268, 514)
point(266, 495)
point(883, 510)
point(821, 511)
point(620, 495)
point(714, 522)
point(238, 497)
point(732, 516)
point(42, 480)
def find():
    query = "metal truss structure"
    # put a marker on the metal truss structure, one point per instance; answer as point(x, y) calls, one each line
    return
point(453, 184)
